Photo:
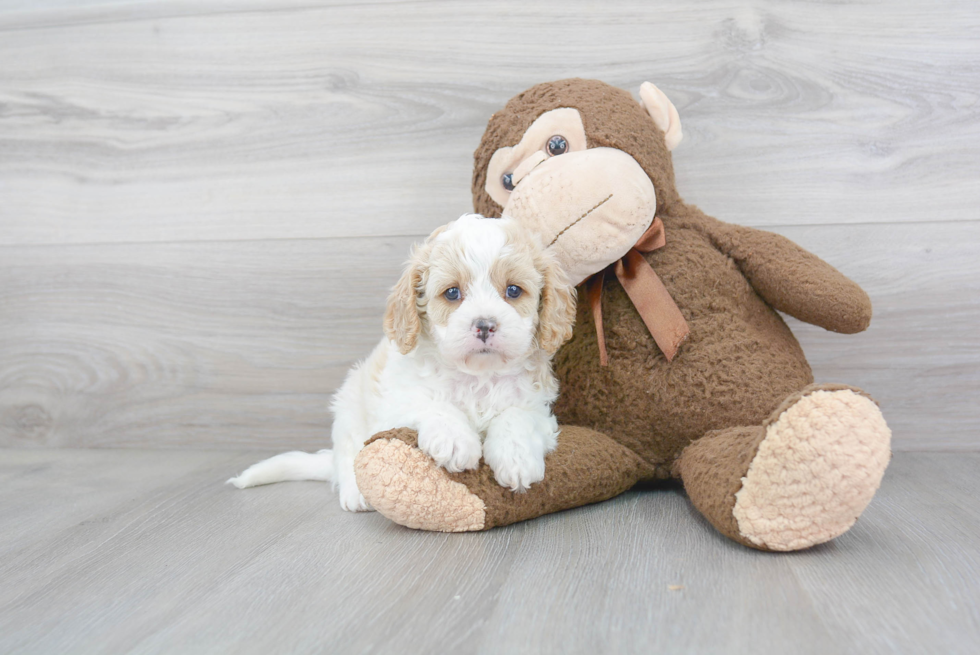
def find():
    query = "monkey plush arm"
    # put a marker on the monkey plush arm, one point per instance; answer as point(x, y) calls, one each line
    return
point(793, 280)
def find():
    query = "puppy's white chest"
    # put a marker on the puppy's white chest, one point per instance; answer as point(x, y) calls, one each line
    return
point(482, 400)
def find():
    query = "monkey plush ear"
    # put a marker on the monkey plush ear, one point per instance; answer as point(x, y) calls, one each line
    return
point(663, 113)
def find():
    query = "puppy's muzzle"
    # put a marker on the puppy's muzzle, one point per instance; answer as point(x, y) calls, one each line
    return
point(484, 327)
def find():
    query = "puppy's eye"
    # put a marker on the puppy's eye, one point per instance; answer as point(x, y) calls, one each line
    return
point(452, 293)
point(508, 181)
point(514, 291)
point(557, 145)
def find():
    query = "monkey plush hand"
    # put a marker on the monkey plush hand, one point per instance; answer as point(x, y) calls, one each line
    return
point(679, 366)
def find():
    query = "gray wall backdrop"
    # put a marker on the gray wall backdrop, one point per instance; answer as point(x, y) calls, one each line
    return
point(203, 204)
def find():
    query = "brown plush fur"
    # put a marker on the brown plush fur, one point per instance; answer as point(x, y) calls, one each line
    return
point(582, 455)
point(741, 360)
point(713, 467)
point(612, 118)
point(739, 370)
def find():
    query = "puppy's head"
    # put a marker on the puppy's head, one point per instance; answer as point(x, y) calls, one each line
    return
point(485, 293)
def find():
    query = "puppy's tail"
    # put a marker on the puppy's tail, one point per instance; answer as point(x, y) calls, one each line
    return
point(287, 466)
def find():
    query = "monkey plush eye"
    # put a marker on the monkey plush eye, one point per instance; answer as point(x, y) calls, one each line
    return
point(514, 291)
point(452, 293)
point(557, 145)
point(508, 181)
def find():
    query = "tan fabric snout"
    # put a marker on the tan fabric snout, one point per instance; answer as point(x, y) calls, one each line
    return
point(527, 166)
point(592, 206)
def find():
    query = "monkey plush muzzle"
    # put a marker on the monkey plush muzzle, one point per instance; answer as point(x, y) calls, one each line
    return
point(590, 206)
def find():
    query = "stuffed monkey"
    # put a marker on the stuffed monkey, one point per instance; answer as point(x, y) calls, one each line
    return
point(679, 366)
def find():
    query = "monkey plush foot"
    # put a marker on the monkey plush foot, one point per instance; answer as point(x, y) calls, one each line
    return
point(800, 479)
point(406, 486)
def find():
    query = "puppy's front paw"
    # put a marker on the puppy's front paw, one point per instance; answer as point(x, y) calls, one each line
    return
point(514, 464)
point(455, 447)
point(351, 498)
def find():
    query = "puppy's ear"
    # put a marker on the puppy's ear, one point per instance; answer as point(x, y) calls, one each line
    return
point(402, 322)
point(557, 311)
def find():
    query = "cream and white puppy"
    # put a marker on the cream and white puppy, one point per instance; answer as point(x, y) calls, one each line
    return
point(470, 330)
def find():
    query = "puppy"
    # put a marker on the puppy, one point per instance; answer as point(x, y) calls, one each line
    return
point(470, 329)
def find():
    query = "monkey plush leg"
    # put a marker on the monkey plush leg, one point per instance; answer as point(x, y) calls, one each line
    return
point(800, 479)
point(406, 486)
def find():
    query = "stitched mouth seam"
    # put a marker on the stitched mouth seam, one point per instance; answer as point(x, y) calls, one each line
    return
point(576, 221)
point(535, 166)
point(531, 171)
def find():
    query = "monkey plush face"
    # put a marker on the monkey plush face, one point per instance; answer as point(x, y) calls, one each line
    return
point(589, 190)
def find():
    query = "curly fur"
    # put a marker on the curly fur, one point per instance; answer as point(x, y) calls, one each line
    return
point(467, 396)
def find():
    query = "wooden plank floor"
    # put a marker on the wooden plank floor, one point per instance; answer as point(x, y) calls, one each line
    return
point(147, 551)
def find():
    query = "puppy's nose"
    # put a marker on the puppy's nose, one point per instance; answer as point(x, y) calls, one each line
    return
point(484, 327)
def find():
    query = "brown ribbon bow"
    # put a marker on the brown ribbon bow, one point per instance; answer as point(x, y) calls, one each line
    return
point(649, 295)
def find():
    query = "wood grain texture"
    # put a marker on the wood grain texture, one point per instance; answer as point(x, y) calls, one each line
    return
point(920, 358)
point(186, 344)
point(217, 119)
point(203, 203)
point(240, 344)
point(164, 558)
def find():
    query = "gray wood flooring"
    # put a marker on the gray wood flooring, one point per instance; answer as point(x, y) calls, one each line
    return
point(108, 551)
point(203, 203)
